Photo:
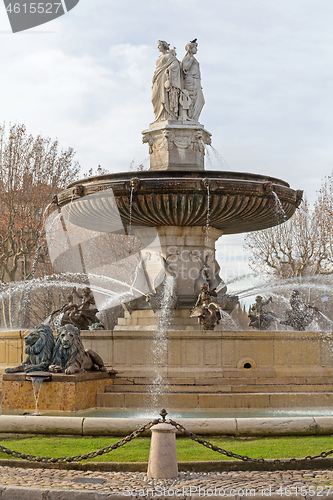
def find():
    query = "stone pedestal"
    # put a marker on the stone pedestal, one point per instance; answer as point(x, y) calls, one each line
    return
point(163, 452)
point(189, 256)
point(65, 393)
point(176, 145)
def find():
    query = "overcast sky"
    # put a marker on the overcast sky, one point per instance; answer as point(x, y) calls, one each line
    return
point(267, 74)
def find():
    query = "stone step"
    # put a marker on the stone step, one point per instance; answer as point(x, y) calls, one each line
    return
point(222, 388)
point(221, 381)
point(204, 401)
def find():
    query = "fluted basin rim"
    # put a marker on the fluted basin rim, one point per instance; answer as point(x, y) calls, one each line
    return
point(194, 174)
point(235, 201)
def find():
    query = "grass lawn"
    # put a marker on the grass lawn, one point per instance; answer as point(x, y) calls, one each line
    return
point(187, 450)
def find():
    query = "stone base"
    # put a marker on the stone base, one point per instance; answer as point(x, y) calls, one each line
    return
point(12, 347)
point(221, 370)
point(199, 369)
point(176, 145)
point(67, 393)
point(148, 320)
point(189, 401)
point(220, 355)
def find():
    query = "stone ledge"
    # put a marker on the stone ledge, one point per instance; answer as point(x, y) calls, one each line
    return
point(60, 377)
point(90, 426)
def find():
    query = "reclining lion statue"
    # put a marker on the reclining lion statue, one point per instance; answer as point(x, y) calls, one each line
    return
point(39, 344)
point(69, 355)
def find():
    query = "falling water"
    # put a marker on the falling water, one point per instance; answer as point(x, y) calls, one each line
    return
point(71, 203)
point(27, 287)
point(329, 321)
point(112, 290)
point(45, 212)
point(28, 284)
point(160, 343)
point(215, 160)
point(280, 213)
point(129, 231)
point(36, 386)
point(207, 217)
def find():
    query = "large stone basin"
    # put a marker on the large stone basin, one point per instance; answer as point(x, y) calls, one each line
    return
point(188, 210)
point(238, 202)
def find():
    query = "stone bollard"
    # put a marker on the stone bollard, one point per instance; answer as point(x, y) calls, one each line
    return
point(163, 452)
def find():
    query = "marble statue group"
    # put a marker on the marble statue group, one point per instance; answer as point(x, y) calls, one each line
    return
point(176, 91)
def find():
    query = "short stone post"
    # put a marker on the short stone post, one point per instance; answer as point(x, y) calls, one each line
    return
point(163, 452)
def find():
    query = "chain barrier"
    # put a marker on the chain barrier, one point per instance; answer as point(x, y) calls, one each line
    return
point(78, 458)
point(245, 458)
point(149, 425)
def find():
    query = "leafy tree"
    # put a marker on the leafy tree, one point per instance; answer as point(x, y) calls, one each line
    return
point(32, 171)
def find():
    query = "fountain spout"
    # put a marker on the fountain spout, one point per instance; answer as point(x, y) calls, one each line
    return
point(37, 378)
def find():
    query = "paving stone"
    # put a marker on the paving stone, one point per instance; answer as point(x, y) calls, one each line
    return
point(50, 484)
point(17, 493)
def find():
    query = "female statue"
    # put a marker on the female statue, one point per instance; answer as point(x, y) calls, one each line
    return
point(192, 82)
point(166, 84)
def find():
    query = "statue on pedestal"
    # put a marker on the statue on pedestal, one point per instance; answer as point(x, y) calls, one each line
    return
point(39, 345)
point(300, 315)
point(192, 82)
point(176, 91)
point(166, 84)
point(208, 312)
point(259, 318)
point(69, 354)
point(82, 315)
point(60, 317)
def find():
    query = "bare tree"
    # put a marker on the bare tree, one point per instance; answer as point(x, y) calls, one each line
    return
point(323, 215)
point(99, 171)
point(32, 171)
point(297, 248)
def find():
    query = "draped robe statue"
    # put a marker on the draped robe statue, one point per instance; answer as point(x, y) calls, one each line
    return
point(192, 82)
point(176, 91)
point(166, 84)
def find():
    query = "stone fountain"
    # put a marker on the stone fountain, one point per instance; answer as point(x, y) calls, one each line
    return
point(177, 211)
point(187, 207)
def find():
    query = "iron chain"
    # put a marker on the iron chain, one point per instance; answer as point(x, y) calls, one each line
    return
point(86, 456)
point(245, 458)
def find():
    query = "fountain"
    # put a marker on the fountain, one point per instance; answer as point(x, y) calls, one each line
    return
point(144, 231)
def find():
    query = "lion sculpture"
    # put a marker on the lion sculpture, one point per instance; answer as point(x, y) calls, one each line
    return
point(39, 349)
point(69, 355)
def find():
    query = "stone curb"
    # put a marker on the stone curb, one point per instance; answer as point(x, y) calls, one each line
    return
point(19, 493)
point(207, 466)
point(87, 426)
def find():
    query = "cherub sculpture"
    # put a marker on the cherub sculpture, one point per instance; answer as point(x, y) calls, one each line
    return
point(208, 312)
point(259, 318)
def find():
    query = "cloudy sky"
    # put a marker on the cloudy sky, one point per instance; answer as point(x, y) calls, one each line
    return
point(267, 73)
